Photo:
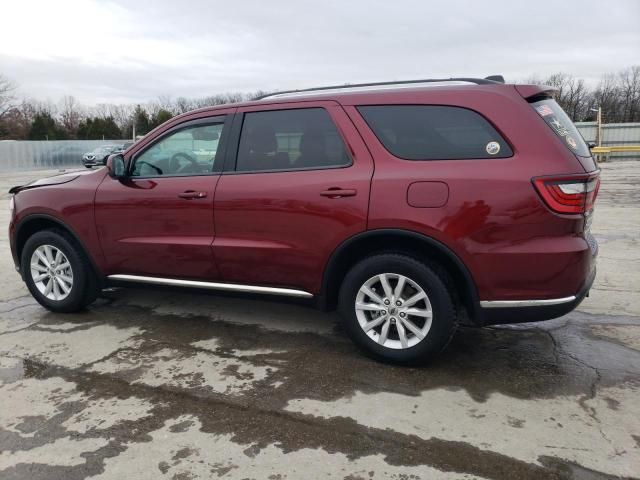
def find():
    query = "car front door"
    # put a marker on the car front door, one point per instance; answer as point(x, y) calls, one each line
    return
point(158, 221)
point(296, 184)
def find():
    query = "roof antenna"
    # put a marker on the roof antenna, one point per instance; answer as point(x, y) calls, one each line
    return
point(495, 78)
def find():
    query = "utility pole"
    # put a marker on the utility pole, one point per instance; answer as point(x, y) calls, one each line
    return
point(599, 120)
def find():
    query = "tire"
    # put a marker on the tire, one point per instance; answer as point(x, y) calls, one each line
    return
point(83, 287)
point(419, 278)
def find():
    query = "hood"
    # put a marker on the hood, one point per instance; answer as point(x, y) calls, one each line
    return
point(53, 180)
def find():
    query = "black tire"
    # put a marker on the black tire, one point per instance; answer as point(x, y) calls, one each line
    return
point(85, 287)
point(430, 278)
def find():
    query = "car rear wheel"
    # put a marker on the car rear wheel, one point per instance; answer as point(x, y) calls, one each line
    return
point(57, 272)
point(397, 308)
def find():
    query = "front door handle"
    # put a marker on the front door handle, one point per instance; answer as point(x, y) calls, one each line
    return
point(336, 192)
point(192, 194)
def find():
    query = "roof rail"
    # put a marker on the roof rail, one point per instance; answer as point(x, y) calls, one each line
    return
point(491, 80)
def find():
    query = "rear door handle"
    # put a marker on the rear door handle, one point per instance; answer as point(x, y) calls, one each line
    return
point(192, 194)
point(336, 192)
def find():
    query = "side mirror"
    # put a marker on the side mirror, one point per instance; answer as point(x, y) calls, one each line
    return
point(592, 145)
point(116, 166)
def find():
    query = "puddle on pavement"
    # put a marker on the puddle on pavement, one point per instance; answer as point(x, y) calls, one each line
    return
point(522, 362)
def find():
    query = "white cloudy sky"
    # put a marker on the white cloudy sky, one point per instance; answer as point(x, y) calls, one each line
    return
point(136, 50)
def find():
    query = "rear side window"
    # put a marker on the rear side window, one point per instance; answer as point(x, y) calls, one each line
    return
point(562, 126)
point(434, 132)
point(290, 140)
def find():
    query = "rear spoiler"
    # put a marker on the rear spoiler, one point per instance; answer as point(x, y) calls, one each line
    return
point(535, 92)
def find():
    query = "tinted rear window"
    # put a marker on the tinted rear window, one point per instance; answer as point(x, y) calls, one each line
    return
point(434, 132)
point(562, 125)
point(290, 140)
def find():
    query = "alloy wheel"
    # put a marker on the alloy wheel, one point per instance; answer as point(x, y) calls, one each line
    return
point(393, 310)
point(51, 272)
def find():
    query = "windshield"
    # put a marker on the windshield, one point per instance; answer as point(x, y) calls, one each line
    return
point(562, 125)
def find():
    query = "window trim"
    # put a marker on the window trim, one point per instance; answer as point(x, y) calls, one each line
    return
point(375, 135)
point(231, 160)
point(225, 120)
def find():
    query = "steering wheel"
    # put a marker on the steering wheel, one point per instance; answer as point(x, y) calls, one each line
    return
point(175, 164)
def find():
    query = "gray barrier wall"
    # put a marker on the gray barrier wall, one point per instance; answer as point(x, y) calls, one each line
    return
point(18, 155)
point(613, 134)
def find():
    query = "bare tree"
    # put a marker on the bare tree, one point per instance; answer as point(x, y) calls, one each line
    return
point(101, 110)
point(164, 102)
point(577, 99)
point(123, 116)
point(70, 114)
point(630, 94)
point(606, 96)
point(7, 96)
point(183, 105)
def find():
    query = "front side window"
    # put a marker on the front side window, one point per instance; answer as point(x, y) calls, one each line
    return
point(290, 140)
point(434, 132)
point(188, 151)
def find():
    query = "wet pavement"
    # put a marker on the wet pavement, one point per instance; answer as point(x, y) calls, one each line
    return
point(164, 384)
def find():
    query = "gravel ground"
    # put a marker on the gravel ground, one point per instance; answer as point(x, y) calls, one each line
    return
point(159, 384)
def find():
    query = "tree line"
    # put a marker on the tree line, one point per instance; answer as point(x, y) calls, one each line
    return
point(617, 94)
point(68, 119)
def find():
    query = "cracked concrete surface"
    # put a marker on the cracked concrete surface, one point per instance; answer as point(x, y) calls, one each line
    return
point(155, 384)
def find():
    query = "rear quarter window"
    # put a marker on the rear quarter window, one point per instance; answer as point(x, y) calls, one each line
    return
point(562, 126)
point(434, 132)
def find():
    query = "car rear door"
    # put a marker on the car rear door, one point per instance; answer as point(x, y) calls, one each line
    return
point(159, 220)
point(296, 184)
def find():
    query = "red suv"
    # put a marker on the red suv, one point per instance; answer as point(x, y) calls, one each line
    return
point(411, 207)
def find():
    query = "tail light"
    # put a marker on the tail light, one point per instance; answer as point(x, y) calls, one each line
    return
point(569, 193)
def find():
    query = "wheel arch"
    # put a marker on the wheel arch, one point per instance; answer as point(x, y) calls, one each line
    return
point(37, 222)
point(415, 244)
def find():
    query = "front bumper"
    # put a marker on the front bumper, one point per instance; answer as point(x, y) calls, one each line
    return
point(93, 162)
point(12, 244)
point(521, 311)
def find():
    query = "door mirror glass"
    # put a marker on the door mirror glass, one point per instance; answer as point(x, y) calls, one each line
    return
point(116, 166)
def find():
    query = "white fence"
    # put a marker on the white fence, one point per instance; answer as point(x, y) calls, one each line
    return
point(613, 134)
point(18, 155)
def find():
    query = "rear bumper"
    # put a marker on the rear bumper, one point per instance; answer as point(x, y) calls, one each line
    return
point(520, 311)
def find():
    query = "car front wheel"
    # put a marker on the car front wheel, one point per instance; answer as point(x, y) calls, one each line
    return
point(57, 272)
point(397, 308)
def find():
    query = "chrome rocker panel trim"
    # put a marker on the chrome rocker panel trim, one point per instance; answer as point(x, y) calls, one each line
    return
point(233, 287)
point(526, 303)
